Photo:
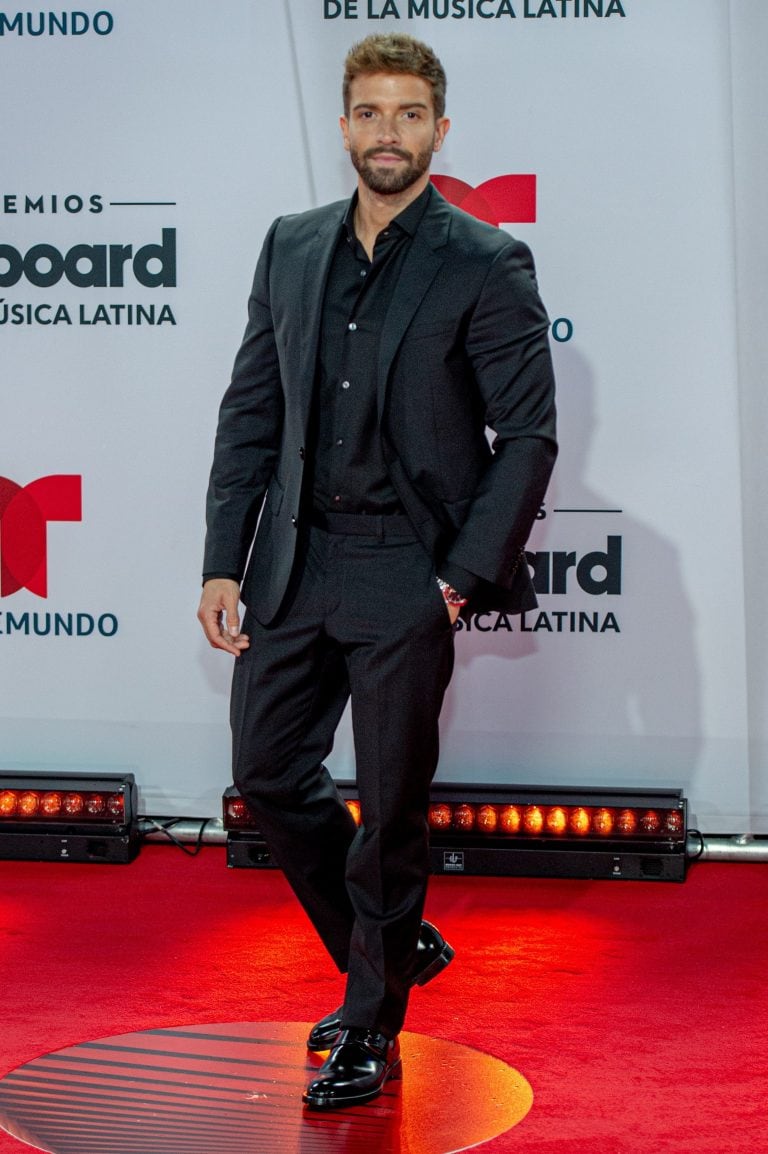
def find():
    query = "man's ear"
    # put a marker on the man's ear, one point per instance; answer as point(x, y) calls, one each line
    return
point(441, 128)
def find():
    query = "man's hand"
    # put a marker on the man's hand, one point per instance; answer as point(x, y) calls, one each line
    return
point(219, 615)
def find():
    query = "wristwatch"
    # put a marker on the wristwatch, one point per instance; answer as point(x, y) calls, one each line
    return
point(450, 595)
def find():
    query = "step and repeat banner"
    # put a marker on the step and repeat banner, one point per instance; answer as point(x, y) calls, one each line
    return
point(146, 148)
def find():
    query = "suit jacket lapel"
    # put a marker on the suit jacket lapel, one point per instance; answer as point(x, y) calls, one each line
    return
point(424, 258)
point(318, 257)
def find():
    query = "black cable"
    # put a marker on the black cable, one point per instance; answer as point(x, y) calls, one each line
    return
point(165, 828)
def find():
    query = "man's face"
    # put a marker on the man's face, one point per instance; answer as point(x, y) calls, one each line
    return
point(391, 131)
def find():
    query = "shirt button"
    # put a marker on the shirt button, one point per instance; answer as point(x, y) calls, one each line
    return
point(345, 384)
point(340, 441)
point(337, 497)
point(352, 326)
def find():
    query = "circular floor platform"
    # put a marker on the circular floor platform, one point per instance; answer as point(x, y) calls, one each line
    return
point(236, 1089)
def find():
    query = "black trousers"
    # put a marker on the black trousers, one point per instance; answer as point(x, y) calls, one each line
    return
point(367, 619)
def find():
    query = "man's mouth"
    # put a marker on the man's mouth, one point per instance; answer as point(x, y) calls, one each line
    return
point(388, 156)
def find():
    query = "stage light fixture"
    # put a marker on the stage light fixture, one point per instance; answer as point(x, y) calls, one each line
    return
point(72, 817)
point(525, 831)
point(637, 835)
point(246, 848)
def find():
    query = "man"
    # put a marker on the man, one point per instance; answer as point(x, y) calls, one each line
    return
point(384, 335)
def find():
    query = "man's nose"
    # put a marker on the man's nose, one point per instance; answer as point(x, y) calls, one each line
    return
point(388, 130)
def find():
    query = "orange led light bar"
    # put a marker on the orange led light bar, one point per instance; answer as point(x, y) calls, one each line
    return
point(354, 808)
point(531, 819)
point(20, 805)
point(237, 815)
point(555, 821)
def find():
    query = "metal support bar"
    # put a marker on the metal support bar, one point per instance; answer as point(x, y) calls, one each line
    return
point(738, 847)
point(184, 829)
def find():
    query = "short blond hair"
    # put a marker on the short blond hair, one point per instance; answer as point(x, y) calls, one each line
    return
point(395, 52)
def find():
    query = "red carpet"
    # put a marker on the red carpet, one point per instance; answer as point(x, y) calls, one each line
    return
point(637, 1011)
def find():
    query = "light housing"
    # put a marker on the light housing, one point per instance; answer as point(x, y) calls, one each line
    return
point(511, 830)
point(246, 848)
point(68, 817)
point(550, 831)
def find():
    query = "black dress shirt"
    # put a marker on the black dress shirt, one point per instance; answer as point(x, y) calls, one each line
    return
point(349, 472)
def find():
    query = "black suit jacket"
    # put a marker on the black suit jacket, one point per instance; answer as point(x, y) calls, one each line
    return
point(464, 346)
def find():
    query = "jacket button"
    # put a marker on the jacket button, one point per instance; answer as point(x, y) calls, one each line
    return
point(294, 522)
point(301, 453)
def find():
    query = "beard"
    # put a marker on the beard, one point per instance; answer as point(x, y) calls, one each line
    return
point(389, 181)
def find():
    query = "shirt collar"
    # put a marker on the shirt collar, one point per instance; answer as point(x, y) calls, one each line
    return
point(408, 220)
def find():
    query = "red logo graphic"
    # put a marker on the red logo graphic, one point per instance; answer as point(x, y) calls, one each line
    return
point(24, 515)
point(502, 200)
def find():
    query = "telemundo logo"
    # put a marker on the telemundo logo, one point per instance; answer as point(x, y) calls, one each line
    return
point(35, 624)
point(25, 513)
point(56, 23)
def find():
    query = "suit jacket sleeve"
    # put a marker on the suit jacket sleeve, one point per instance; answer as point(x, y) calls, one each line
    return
point(248, 434)
point(508, 347)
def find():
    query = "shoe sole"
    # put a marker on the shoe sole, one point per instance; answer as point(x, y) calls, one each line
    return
point(394, 1073)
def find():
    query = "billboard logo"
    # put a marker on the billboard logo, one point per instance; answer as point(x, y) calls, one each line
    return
point(502, 200)
point(91, 265)
point(24, 515)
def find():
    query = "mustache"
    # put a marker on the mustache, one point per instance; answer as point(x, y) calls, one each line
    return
point(372, 153)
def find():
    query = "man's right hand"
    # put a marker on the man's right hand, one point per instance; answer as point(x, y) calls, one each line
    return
point(220, 617)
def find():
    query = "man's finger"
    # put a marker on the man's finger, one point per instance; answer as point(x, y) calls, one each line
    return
point(213, 630)
point(210, 619)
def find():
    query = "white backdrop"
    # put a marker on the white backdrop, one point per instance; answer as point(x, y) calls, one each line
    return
point(215, 124)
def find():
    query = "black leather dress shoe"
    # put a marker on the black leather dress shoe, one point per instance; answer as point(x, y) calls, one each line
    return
point(432, 955)
point(355, 1071)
